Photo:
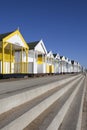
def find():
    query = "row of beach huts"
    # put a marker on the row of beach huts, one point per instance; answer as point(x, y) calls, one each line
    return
point(19, 57)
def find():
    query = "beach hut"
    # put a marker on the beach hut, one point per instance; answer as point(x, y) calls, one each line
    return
point(66, 65)
point(49, 62)
point(56, 63)
point(37, 57)
point(74, 67)
point(62, 64)
point(10, 61)
point(69, 66)
point(79, 67)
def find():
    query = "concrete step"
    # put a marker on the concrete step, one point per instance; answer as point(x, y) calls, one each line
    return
point(72, 118)
point(57, 121)
point(12, 99)
point(34, 109)
point(45, 120)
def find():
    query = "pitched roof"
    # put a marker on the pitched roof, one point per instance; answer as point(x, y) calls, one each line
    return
point(54, 55)
point(72, 61)
point(61, 57)
point(4, 35)
point(32, 44)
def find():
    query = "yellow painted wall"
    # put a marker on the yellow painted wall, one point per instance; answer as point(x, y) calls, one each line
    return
point(47, 68)
point(7, 60)
point(0, 56)
point(39, 60)
point(50, 68)
point(6, 55)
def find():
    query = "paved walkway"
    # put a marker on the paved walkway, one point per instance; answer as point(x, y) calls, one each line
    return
point(84, 114)
point(18, 85)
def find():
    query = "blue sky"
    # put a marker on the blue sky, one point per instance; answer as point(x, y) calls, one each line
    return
point(61, 24)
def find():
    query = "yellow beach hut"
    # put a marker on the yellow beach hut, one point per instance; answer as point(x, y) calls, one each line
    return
point(50, 62)
point(11, 44)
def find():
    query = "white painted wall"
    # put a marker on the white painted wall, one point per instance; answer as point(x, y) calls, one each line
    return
point(18, 56)
point(41, 68)
point(30, 56)
point(24, 57)
point(16, 40)
point(56, 67)
point(69, 67)
point(7, 67)
point(12, 69)
point(35, 67)
point(30, 67)
point(17, 68)
point(72, 68)
point(59, 67)
point(32, 62)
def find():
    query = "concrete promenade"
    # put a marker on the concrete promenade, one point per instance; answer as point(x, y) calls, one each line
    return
point(45, 103)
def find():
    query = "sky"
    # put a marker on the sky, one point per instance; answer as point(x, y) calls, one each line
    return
point(61, 24)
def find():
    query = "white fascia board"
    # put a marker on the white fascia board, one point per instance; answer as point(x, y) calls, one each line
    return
point(45, 50)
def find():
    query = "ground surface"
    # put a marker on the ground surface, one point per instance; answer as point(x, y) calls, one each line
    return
point(84, 115)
